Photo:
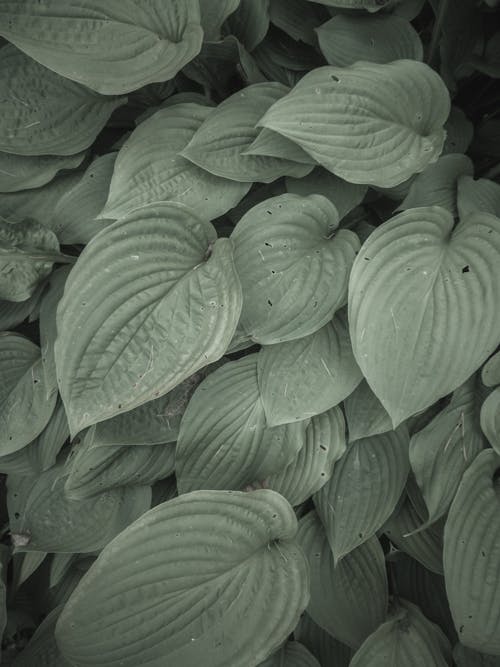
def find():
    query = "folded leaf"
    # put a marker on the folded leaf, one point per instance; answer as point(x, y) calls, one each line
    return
point(472, 555)
point(293, 264)
point(19, 172)
point(420, 290)
point(224, 585)
point(143, 309)
point(481, 195)
point(365, 414)
point(42, 113)
point(112, 48)
point(367, 123)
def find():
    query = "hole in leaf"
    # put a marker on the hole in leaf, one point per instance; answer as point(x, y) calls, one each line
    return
point(465, 269)
point(334, 78)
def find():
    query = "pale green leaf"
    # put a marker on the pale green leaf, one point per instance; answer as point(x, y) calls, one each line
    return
point(224, 440)
point(481, 195)
point(250, 22)
point(472, 555)
point(490, 374)
point(296, 18)
point(365, 414)
point(420, 290)
point(59, 566)
point(12, 313)
point(306, 376)
point(344, 39)
point(490, 419)
point(149, 168)
point(224, 585)
point(367, 123)
point(143, 309)
point(112, 48)
point(43, 113)
point(213, 15)
point(293, 264)
point(20, 172)
point(349, 600)
point(48, 328)
point(273, 144)
point(291, 654)
point(363, 490)
point(327, 650)
point(219, 142)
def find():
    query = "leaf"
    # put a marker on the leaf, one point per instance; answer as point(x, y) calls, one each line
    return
point(59, 566)
point(344, 39)
point(370, 5)
point(273, 144)
point(296, 18)
point(213, 15)
point(349, 600)
point(293, 265)
point(4, 560)
point(45, 114)
point(304, 377)
point(467, 657)
point(459, 132)
point(43, 518)
point(385, 142)
point(490, 419)
point(313, 465)
point(224, 441)
point(490, 374)
point(419, 291)
point(48, 328)
point(481, 195)
point(174, 312)
point(363, 490)
point(219, 142)
point(112, 48)
point(471, 555)
point(442, 451)
point(437, 184)
point(42, 649)
point(250, 22)
point(345, 196)
point(19, 172)
point(24, 565)
point(25, 408)
point(13, 313)
point(327, 650)
point(365, 414)
point(408, 638)
point(219, 557)
point(149, 168)
point(291, 654)
point(27, 254)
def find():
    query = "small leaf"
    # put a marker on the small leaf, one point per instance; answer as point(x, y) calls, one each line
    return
point(213, 15)
point(481, 195)
point(365, 414)
point(250, 22)
point(19, 172)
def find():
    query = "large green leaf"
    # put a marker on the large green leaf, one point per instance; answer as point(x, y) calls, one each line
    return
point(327, 650)
point(420, 290)
point(296, 18)
point(293, 264)
point(224, 440)
point(20, 172)
point(142, 310)
point(365, 414)
point(218, 144)
point(471, 555)
point(313, 465)
point(408, 639)
point(112, 48)
point(490, 419)
point(363, 490)
point(304, 377)
point(291, 654)
point(273, 144)
point(223, 585)
point(346, 39)
point(481, 195)
point(25, 407)
point(349, 600)
point(43, 518)
point(367, 123)
point(442, 451)
point(42, 113)
point(149, 168)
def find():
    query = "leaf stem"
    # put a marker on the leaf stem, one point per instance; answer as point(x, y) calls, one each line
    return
point(436, 32)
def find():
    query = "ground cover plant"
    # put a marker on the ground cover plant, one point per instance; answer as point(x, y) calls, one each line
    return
point(249, 333)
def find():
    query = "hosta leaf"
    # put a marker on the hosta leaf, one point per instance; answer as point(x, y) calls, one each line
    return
point(459, 132)
point(19, 172)
point(296, 18)
point(363, 490)
point(48, 328)
point(345, 196)
point(112, 48)
point(408, 638)
point(27, 254)
point(370, 5)
point(345, 39)
point(395, 114)
point(480, 195)
point(327, 650)
point(220, 558)
point(306, 376)
point(419, 291)
point(472, 555)
point(467, 657)
point(293, 264)
point(143, 309)
point(490, 373)
point(75, 212)
point(24, 406)
point(348, 600)
point(313, 465)
point(95, 468)
point(45, 114)
point(12, 313)
point(291, 654)
point(42, 649)
point(442, 451)
point(250, 22)
point(59, 566)
point(273, 144)
point(43, 518)
point(437, 184)
point(365, 414)
point(25, 564)
point(213, 15)
point(224, 440)
point(149, 168)
point(4, 560)
point(219, 142)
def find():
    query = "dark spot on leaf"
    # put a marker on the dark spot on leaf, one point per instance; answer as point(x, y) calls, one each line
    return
point(334, 78)
point(323, 447)
point(483, 554)
point(461, 629)
point(269, 212)
point(270, 302)
point(17, 515)
point(268, 244)
point(367, 259)
point(360, 535)
point(465, 269)
point(119, 406)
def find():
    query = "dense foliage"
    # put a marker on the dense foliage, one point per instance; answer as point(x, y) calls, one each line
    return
point(249, 330)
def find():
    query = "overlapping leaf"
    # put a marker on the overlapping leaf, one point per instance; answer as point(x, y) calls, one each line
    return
point(213, 15)
point(481, 195)
point(327, 650)
point(20, 172)
point(291, 654)
point(365, 414)
point(42, 649)
point(490, 373)
point(250, 22)
point(224, 585)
